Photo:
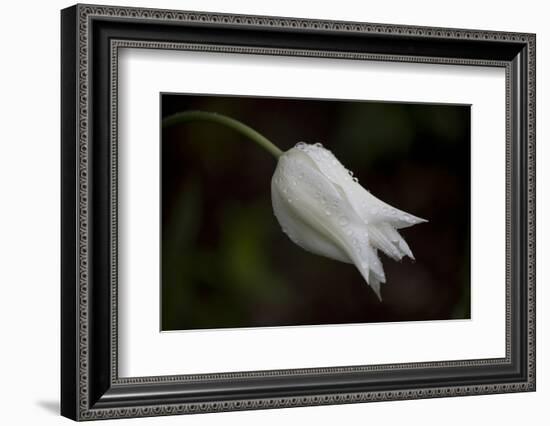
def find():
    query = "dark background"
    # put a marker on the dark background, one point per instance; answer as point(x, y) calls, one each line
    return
point(226, 261)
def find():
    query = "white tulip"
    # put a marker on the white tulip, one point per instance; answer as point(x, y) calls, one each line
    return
point(324, 210)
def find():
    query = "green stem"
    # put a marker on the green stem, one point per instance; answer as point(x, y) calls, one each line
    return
point(243, 129)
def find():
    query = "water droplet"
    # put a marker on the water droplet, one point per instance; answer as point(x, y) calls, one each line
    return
point(343, 221)
point(318, 145)
point(355, 179)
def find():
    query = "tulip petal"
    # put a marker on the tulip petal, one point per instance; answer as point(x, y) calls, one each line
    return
point(300, 232)
point(387, 239)
point(367, 206)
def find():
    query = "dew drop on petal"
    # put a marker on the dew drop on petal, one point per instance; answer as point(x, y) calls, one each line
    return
point(343, 220)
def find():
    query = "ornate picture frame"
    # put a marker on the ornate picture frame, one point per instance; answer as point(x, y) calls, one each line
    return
point(91, 38)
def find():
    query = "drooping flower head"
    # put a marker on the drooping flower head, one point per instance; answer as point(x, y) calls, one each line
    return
point(323, 209)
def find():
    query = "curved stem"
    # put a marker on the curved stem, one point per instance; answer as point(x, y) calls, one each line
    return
point(189, 116)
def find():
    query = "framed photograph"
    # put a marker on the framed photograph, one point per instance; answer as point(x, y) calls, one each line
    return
point(263, 212)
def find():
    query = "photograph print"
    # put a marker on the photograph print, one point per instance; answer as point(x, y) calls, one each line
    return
point(308, 212)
